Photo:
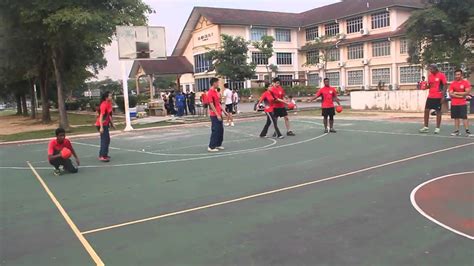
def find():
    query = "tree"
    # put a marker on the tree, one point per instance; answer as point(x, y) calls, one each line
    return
point(265, 46)
point(230, 60)
point(442, 32)
point(323, 45)
point(75, 34)
point(164, 82)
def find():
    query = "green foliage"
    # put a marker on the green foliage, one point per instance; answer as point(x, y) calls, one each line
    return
point(230, 60)
point(265, 46)
point(164, 82)
point(324, 45)
point(442, 32)
point(132, 100)
point(295, 91)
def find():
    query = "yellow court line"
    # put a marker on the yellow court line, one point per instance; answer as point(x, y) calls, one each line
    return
point(68, 219)
point(272, 191)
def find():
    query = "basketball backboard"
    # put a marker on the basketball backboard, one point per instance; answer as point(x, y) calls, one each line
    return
point(141, 42)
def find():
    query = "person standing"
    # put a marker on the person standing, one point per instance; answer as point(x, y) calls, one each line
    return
point(235, 100)
point(437, 86)
point(103, 124)
point(215, 112)
point(229, 105)
point(459, 90)
point(269, 103)
point(180, 103)
point(280, 106)
point(204, 102)
point(171, 98)
point(55, 148)
point(186, 95)
point(422, 85)
point(191, 102)
point(329, 96)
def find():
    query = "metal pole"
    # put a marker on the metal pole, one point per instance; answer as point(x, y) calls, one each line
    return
point(36, 98)
point(128, 124)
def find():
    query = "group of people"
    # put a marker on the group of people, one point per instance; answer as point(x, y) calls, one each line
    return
point(275, 103)
point(179, 103)
point(230, 99)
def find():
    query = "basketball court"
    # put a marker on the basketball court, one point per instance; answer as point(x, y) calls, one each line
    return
point(374, 193)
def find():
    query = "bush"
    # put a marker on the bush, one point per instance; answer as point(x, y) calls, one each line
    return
point(93, 104)
point(142, 98)
point(132, 100)
point(72, 105)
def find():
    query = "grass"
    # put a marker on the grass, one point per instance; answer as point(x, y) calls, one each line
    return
point(7, 112)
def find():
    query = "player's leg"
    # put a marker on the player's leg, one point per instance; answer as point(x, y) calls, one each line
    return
point(331, 120)
point(267, 125)
point(68, 166)
point(275, 125)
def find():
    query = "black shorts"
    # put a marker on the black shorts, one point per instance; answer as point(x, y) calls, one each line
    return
point(331, 112)
point(433, 104)
point(229, 108)
point(459, 111)
point(280, 112)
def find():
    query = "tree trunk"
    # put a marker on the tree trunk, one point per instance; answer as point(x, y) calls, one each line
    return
point(33, 99)
point(18, 104)
point(24, 106)
point(43, 78)
point(58, 65)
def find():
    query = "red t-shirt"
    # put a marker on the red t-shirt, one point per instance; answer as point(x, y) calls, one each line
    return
point(279, 93)
point(328, 94)
point(204, 98)
point(423, 85)
point(269, 100)
point(54, 146)
point(434, 80)
point(214, 97)
point(459, 86)
point(106, 110)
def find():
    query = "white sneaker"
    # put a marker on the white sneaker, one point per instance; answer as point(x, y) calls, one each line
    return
point(424, 130)
point(232, 124)
point(437, 131)
point(227, 124)
point(220, 148)
point(212, 150)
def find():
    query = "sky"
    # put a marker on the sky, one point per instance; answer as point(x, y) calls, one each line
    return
point(173, 14)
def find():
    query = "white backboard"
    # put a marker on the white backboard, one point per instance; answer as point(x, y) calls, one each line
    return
point(141, 42)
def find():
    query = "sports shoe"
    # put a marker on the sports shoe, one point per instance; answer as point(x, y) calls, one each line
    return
point(281, 137)
point(332, 130)
point(227, 124)
point(104, 159)
point(220, 148)
point(290, 133)
point(468, 133)
point(232, 124)
point(455, 133)
point(424, 130)
point(57, 172)
point(212, 150)
point(434, 113)
point(437, 130)
point(274, 135)
point(263, 137)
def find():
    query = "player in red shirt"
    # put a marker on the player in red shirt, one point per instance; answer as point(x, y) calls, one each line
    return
point(103, 123)
point(280, 106)
point(437, 85)
point(329, 96)
point(55, 147)
point(459, 90)
point(269, 100)
point(215, 112)
point(204, 102)
point(423, 84)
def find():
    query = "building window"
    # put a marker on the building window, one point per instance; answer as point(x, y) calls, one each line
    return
point(188, 87)
point(380, 75)
point(286, 80)
point(333, 78)
point(259, 58)
point(235, 84)
point(201, 63)
point(410, 74)
point(448, 70)
point(333, 55)
point(381, 48)
point(283, 35)
point(403, 46)
point(331, 29)
point(312, 57)
point(256, 34)
point(355, 51)
point(284, 59)
point(354, 25)
point(380, 20)
point(355, 78)
point(203, 84)
point(313, 79)
point(255, 77)
point(312, 34)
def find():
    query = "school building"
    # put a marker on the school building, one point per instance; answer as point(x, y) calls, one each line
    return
point(369, 37)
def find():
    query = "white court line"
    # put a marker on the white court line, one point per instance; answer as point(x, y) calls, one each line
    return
point(272, 191)
point(427, 216)
point(68, 219)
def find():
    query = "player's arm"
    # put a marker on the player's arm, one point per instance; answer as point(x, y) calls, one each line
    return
point(337, 100)
point(75, 155)
point(51, 155)
point(464, 94)
point(315, 97)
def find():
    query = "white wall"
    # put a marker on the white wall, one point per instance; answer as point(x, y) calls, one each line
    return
point(389, 100)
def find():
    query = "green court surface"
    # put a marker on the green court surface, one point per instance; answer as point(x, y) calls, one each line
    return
point(312, 199)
